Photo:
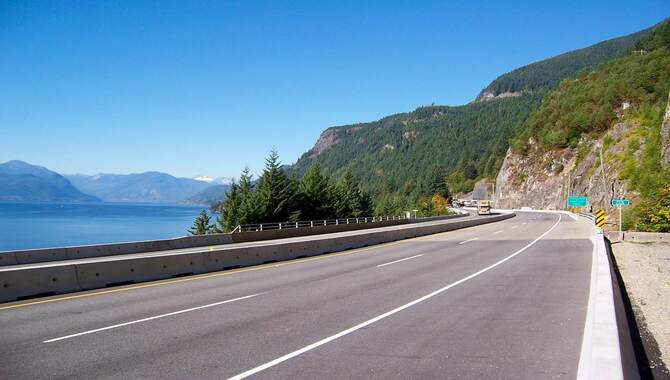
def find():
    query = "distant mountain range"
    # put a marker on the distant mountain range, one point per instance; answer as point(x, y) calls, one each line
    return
point(23, 182)
point(208, 196)
point(151, 187)
point(20, 181)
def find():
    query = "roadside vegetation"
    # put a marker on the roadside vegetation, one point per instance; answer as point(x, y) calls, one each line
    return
point(278, 196)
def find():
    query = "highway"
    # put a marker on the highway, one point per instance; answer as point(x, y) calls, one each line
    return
point(497, 301)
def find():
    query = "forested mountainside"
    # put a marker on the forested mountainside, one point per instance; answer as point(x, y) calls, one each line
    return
point(400, 157)
point(616, 112)
point(402, 153)
point(546, 74)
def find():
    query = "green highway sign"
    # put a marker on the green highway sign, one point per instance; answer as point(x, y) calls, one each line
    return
point(576, 201)
point(620, 202)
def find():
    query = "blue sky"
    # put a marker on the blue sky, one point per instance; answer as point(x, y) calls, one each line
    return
point(207, 87)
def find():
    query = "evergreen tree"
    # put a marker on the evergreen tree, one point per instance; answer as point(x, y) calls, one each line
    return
point(201, 225)
point(344, 195)
point(439, 185)
point(351, 201)
point(316, 194)
point(229, 209)
point(238, 206)
point(275, 193)
point(364, 204)
point(249, 210)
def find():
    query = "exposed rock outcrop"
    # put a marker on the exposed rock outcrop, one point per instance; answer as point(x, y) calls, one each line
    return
point(328, 138)
point(543, 179)
point(507, 94)
point(665, 136)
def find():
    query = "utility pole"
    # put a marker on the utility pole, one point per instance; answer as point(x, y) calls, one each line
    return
point(602, 169)
point(623, 196)
point(567, 191)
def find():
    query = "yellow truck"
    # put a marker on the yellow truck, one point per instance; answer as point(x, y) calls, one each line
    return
point(484, 207)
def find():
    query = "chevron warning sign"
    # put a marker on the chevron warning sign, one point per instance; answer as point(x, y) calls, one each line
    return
point(600, 218)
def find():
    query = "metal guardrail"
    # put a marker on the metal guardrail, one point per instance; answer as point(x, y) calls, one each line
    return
point(317, 223)
point(327, 222)
point(588, 216)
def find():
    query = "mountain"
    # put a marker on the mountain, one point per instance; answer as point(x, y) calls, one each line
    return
point(600, 134)
point(401, 153)
point(399, 156)
point(150, 187)
point(546, 74)
point(208, 196)
point(20, 181)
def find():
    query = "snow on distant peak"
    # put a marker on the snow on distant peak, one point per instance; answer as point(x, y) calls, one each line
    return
point(204, 178)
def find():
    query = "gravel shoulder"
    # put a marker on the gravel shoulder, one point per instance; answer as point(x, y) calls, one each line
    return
point(645, 269)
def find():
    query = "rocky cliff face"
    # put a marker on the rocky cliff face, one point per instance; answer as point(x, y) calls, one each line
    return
point(665, 136)
point(543, 179)
point(328, 138)
point(488, 95)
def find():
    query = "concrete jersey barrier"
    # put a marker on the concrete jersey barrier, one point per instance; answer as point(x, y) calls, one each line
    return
point(25, 281)
point(99, 250)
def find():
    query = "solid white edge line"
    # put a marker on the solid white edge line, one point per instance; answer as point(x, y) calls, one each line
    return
point(397, 261)
point(387, 314)
point(497, 232)
point(149, 318)
point(467, 241)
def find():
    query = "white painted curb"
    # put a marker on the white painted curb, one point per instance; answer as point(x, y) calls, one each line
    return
point(600, 356)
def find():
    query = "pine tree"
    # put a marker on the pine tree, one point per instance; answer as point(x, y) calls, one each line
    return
point(344, 195)
point(238, 206)
point(229, 209)
point(249, 210)
point(439, 185)
point(275, 193)
point(351, 201)
point(315, 194)
point(364, 204)
point(201, 225)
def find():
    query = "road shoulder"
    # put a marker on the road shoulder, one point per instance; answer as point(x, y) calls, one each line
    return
point(645, 272)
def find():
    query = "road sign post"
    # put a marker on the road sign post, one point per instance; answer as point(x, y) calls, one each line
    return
point(619, 203)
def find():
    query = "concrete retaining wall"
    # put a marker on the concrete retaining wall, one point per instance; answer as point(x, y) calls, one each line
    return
point(640, 237)
point(99, 250)
point(64, 277)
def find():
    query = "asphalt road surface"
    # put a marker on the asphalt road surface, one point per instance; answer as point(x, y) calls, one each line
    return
point(498, 301)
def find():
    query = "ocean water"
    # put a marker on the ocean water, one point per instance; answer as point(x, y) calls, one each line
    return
point(42, 225)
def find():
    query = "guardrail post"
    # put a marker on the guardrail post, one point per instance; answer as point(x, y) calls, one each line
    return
point(311, 223)
point(324, 222)
point(261, 227)
point(280, 225)
point(296, 224)
point(337, 222)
